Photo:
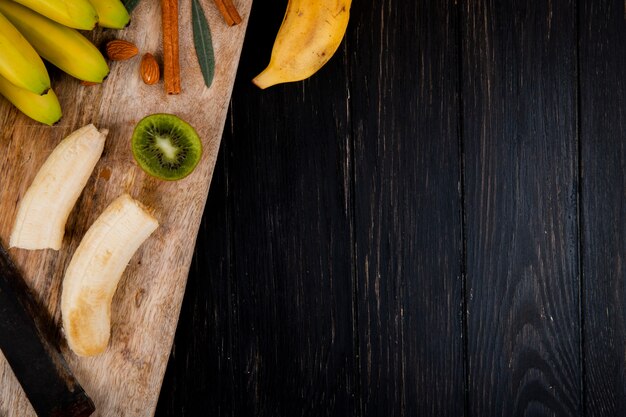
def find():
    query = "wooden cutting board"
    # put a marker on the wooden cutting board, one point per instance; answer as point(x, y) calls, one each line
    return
point(126, 379)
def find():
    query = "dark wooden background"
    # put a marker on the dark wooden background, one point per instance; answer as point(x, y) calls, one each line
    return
point(432, 225)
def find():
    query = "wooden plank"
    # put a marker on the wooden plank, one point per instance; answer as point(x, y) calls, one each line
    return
point(280, 326)
point(603, 157)
point(519, 129)
point(404, 105)
point(125, 380)
point(200, 372)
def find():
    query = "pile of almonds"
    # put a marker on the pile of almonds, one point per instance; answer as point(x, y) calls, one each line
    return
point(121, 50)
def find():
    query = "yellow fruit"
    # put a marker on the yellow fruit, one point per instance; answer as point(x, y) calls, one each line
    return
point(64, 47)
point(308, 37)
point(42, 108)
point(111, 13)
point(77, 14)
point(19, 63)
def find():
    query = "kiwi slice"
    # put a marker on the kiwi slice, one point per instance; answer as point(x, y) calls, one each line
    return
point(166, 146)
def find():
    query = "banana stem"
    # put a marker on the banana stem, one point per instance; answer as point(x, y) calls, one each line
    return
point(267, 78)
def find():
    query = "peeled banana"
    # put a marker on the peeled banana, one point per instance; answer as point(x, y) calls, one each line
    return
point(95, 270)
point(42, 108)
point(19, 63)
point(308, 37)
point(46, 205)
point(64, 47)
point(111, 13)
point(78, 14)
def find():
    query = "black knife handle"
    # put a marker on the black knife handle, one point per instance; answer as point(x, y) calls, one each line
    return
point(38, 365)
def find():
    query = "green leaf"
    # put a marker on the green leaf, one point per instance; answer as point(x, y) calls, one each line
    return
point(203, 43)
point(130, 4)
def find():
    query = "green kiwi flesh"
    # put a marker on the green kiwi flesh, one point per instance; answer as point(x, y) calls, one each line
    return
point(166, 146)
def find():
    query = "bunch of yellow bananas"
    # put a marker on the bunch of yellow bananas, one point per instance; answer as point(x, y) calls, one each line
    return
point(34, 29)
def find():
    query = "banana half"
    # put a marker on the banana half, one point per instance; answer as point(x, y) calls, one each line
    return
point(95, 270)
point(46, 205)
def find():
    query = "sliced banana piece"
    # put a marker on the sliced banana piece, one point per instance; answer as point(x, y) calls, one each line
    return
point(95, 270)
point(44, 209)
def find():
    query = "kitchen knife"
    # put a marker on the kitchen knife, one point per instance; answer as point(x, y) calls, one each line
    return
point(38, 365)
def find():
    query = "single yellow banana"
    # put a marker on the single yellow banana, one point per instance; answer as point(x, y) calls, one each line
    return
point(42, 108)
point(308, 37)
point(78, 14)
point(111, 13)
point(95, 270)
point(46, 205)
point(19, 63)
point(64, 47)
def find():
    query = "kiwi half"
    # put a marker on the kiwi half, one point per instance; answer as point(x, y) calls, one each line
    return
point(166, 147)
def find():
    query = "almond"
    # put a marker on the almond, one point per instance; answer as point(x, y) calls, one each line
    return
point(119, 50)
point(150, 72)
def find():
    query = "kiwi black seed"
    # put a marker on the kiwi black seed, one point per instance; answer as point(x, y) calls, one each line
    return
point(166, 146)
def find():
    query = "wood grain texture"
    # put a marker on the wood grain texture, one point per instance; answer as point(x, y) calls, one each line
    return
point(269, 319)
point(125, 380)
point(407, 207)
point(517, 99)
point(603, 192)
point(205, 335)
point(520, 157)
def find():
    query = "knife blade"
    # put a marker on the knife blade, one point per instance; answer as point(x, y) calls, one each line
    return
point(39, 367)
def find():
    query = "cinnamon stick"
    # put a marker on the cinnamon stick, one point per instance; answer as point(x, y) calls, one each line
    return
point(229, 12)
point(171, 62)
